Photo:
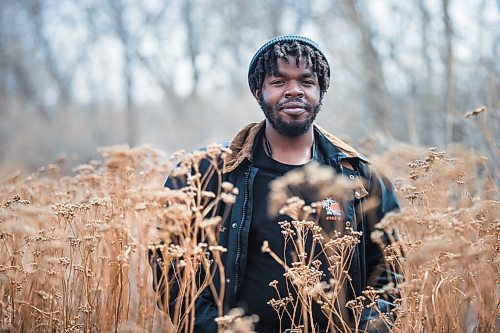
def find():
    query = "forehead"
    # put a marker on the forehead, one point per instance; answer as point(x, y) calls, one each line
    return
point(289, 65)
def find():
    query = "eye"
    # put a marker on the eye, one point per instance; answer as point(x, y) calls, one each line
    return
point(308, 82)
point(277, 82)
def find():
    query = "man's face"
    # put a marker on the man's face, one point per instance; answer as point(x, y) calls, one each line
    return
point(291, 98)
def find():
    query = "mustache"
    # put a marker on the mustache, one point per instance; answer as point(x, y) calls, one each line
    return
point(306, 105)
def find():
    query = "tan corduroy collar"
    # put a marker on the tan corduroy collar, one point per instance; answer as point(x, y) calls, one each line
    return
point(242, 144)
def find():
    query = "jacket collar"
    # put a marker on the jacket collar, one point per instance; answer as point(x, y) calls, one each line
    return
point(241, 147)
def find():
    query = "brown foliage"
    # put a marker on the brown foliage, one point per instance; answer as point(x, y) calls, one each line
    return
point(74, 247)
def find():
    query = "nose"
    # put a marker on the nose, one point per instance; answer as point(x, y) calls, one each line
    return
point(294, 91)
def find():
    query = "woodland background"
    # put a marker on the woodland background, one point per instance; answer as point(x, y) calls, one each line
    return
point(78, 74)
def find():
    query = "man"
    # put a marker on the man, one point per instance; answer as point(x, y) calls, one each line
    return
point(289, 76)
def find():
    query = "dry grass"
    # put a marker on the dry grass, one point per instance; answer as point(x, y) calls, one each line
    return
point(74, 247)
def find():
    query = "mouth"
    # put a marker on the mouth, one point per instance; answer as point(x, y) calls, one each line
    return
point(293, 108)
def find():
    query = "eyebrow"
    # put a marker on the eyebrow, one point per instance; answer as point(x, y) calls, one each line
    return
point(303, 76)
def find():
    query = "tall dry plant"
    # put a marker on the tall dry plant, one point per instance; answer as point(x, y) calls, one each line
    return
point(450, 235)
point(74, 247)
point(187, 251)
point(319, 251)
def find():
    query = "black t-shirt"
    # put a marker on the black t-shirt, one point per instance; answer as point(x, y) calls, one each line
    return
point(261, 268)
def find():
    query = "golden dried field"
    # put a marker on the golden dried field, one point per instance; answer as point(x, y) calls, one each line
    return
point(74, 247)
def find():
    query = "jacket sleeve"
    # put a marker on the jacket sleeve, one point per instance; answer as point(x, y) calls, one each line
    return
point(384, 200)
point(378, 272)
point(205, 308)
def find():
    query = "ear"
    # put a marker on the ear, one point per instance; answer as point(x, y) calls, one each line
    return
point(256, 94)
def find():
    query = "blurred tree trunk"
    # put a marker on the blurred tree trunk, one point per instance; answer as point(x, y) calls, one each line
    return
point(304, 8)
point(130, 111)
point(149, 63)
point(450, 75)
point(17, 80)
point(238, 16)
point(376, 89)
point(62, 80)
point(409, 103)
point(3, 64)
point(428, 102)
point(411, 117)
point(275, 12)
point(193, 42)
point(25, 87)
point(118, 9)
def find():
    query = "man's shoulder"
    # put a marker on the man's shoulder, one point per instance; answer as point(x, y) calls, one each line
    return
point(344, 150)
point(241, 146)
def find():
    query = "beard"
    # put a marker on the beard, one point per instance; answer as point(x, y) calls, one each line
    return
point(289, 129)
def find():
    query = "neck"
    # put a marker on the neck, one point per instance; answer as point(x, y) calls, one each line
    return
point(290, 150)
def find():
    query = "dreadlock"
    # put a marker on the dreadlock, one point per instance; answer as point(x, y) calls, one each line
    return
point(266, 64)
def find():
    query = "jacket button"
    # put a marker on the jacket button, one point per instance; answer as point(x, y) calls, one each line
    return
point(351, 176)
point(234, 225)
point(228, 280)
point(348, 223)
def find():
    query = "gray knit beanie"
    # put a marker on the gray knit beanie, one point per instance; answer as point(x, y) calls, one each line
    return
point(285, 38)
